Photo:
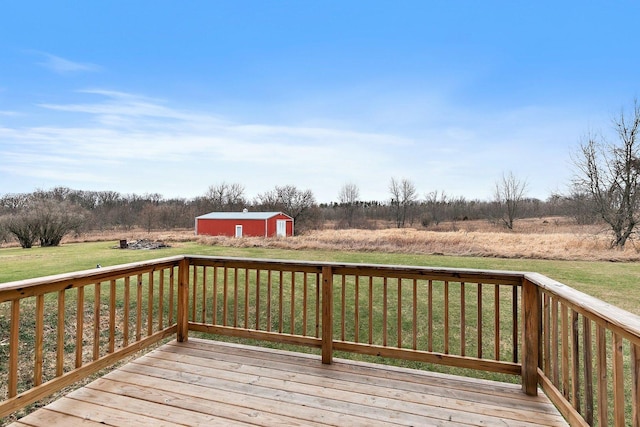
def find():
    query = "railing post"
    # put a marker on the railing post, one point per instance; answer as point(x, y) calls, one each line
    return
point(532, 331)
point(183, 300)
point(327, 315)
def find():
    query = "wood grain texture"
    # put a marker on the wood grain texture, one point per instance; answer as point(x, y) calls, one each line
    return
point(203, 382)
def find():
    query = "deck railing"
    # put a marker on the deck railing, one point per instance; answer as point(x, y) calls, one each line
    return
point(585, 354)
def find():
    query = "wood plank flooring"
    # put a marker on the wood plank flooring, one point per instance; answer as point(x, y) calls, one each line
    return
point(209, 383)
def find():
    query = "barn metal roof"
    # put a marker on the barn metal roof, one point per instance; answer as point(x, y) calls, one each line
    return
point(240, 215)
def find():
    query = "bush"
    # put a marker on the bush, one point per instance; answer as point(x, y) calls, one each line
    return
point(45, 220)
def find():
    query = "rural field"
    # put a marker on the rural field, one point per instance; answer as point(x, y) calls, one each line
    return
point(579, 257)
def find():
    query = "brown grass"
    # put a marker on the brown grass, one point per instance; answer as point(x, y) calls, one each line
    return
point(554, 238)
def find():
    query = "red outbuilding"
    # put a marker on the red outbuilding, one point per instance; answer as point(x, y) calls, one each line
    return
point(245, 224)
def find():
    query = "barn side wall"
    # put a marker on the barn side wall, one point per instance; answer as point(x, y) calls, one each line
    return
point(227, 227)
point(250, 227)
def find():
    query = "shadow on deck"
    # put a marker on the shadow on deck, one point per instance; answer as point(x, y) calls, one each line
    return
point(202, 382)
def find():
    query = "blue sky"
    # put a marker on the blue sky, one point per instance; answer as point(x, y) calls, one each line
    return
point(171, 97)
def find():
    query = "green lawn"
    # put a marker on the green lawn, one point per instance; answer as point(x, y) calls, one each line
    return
point(615, 283)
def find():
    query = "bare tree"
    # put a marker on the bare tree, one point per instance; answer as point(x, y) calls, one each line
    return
point(509, 194)
point(610, 174)
point(348, 198)
point(226, 197)
point(299, 204)
point(436, 204)
point(403, 196)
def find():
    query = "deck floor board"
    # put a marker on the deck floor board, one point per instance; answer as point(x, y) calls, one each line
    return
point(205, 382)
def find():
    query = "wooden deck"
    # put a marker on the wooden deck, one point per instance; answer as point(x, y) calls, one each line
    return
point(210, 383)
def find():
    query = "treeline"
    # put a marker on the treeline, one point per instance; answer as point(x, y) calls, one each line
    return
point(429, 212)
point(45, 216)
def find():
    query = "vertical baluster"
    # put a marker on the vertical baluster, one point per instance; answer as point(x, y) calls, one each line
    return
point(14, 344)
point(171, 292)
point(546, 342)
point(430, 313)
point(280, 301)
point(293, 302)
point(414, 319)
point(127, 302)
point(60, 332)
point(161, 301)
point(343, 307)
point(480, 321)
point(463, 323)
point(112, 316)
point(150, 298)
point(305, 306)
point(385, 305)
point(317, 305)
point(269, 285)
point(399, 320)
point(246, 298)
point(235, 297)
point(446, 317)
point(257, 300)
point(635, 385)
point(555, 368)
point(565, 349)
point(225, 291)
point(39, 341)
point(575, 361)
point(204, 294)
point(96, 321)
point(79, 325)
point(588, 370)
point(496, 325)
point(514, 323)
point(139, 308)
point(214, 311)
point(356, 315)
point(601, 361)
point(194, 293)
point(618, 381)
point(370, 309)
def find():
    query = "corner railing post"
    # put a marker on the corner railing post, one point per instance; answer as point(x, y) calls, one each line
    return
point(327, 315)
point(532, 331)
point(183, 300)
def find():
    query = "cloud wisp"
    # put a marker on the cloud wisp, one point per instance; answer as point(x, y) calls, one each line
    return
point(64, 66)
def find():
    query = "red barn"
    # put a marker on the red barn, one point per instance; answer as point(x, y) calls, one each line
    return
point(241, 224)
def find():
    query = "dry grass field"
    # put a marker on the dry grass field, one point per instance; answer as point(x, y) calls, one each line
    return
point(541, 238)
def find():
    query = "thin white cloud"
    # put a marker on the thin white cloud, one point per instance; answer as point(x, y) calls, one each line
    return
point(142, 135)
point(133, 143)
point(61, 65)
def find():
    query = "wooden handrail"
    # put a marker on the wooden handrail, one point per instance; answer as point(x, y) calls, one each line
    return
point(588, 378)
point(78, 299)
point(584, 353)
point(614, 318)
